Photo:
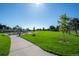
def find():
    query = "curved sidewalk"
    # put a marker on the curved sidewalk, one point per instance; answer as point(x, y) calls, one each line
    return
point(21, 47)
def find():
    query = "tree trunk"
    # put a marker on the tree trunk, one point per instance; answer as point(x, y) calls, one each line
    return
point(76, 29)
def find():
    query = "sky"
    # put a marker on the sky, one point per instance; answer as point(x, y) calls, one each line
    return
point(31, 15)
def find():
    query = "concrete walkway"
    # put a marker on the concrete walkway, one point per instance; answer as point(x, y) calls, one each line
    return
point(21, 47)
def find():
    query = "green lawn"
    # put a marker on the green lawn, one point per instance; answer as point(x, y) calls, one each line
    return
point(53, 42)
point(4, 45)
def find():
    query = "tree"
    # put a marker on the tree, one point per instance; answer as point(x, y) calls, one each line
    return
point(4, 28)
point(39, 29)
point(33, 28)
point(1, 26)
point(18, 29)
point(52, 28)
point(75, 24)
point(57, 28)
point(63, 23)
point(28, 29)
point(43, 28)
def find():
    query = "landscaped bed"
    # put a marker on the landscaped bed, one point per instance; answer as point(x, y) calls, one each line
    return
point(54, 42)
point(4, 45)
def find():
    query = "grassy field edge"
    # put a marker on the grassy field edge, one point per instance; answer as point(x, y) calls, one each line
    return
point(5, 45)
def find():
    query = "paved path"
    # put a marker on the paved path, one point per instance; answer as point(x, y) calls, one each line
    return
point(21, 47)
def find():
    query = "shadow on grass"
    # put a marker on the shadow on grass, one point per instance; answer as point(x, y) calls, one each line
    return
point(75, 35)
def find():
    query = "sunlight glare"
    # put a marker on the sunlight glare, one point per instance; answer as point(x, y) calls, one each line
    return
point(37, 2)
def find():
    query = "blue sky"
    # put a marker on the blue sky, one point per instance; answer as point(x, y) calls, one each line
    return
point(32, 15)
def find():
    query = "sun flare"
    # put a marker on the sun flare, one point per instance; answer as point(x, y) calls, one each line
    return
point(37, 2)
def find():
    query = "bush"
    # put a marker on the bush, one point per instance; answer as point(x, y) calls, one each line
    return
point(33, 34)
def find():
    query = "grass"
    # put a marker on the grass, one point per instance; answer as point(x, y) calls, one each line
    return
point(4, 45)
point(53, 42)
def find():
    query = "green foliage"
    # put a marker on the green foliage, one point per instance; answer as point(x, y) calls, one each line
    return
point(63, 23)
point(33, 28)
point(52, 28)
point(52, 42)
point(75, 24)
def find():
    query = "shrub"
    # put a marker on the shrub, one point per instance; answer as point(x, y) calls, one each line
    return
point(33, 34)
